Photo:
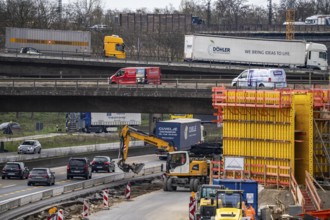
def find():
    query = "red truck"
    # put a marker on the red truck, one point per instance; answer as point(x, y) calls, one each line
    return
point(136, 75)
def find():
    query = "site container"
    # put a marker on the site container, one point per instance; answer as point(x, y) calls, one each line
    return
point(181, 133)
point(249, 187)
point(49, 41)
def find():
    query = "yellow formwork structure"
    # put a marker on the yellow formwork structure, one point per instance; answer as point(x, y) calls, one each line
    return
point(303, 102)
point(274, 130)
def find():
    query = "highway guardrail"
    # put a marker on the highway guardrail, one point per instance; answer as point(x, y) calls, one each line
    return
point(45, 194)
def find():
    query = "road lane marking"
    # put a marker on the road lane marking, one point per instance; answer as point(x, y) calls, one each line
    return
point(8, 186)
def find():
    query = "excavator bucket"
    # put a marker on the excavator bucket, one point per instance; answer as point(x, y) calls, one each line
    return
point(135, 167)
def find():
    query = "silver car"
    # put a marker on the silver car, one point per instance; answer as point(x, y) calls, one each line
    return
point(29, 147)
point(41, 175)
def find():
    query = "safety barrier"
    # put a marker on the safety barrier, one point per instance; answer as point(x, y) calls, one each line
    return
point(64, 151)
point(34, 197)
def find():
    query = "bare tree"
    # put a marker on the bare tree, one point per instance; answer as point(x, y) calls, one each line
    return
point(20, 13)
point(321, 6)
point(231, 12)
point(81, 12)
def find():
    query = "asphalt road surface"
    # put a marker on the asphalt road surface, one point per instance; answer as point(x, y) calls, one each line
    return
point(158, 205)
point(12, 188)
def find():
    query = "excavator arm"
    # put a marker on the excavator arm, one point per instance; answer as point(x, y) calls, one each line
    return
point(125, 137)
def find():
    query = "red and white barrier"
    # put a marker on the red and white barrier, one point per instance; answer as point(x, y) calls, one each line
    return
point(52, 217)
point(106, 198)
point(192, 208)
point(128, 191)
point(60, 215)
point(85, 212)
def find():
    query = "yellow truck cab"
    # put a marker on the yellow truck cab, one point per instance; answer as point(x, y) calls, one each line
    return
point(114, 47)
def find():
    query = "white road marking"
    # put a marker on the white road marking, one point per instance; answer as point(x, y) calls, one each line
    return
point(8, 186)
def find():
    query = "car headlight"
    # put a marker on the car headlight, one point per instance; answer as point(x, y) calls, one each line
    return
point(30, 148)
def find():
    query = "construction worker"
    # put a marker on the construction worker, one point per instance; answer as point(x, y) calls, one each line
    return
point(249, 211)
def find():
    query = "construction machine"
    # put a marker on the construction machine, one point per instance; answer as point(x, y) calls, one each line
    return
point(182, 170)
point(125, 137)
point(205, 201)
point(228, 205)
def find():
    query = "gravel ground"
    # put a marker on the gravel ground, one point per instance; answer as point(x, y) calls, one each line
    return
point(280, 199)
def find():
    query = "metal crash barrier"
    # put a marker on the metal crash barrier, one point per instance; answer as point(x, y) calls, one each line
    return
point(34, 197)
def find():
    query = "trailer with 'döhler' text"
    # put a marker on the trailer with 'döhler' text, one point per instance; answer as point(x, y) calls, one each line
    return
point(255, 51)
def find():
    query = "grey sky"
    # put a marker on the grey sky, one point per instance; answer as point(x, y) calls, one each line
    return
point(151, 4)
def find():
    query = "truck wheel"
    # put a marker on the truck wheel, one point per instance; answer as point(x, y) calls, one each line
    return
point(165, 185)
point(196, 184)
point(169, 184)
point(191, 185)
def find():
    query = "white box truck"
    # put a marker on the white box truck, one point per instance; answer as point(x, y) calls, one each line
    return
point(255, 51)
point(100, 122)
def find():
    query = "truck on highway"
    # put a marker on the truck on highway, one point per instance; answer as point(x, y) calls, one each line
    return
point(114, 46)
point(61, 42)
point(318, 20)
point(99, 122)
point(255, 51)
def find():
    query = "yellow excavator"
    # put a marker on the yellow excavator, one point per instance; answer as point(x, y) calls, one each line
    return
point(125, 137)
point(181, 169)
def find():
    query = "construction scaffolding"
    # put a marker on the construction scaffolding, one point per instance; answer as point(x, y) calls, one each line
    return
point(277, 132)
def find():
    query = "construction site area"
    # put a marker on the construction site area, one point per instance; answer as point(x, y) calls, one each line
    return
point(283, 136)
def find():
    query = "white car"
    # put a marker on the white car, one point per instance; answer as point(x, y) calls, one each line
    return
point(30, 50)
point(99, 27)
point(29, 146)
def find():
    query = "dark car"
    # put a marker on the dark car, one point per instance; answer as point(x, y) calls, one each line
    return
point(10, 127)
point(103, 163)
point(15, 169)
point(30, 50)
point(79, 167)
point(29, 146)
point(41, 176)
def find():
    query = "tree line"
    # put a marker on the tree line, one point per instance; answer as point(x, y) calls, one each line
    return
point(82, 14)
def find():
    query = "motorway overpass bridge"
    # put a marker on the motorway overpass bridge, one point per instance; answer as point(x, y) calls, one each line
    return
point(54, 95)
point(13, 65)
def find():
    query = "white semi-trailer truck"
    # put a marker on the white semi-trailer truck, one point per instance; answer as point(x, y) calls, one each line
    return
point(100, 122)
point(255, 51)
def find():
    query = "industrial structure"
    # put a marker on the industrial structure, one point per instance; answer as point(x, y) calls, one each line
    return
point(277, 132)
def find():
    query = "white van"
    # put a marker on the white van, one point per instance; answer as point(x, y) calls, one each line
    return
point(271, 78)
